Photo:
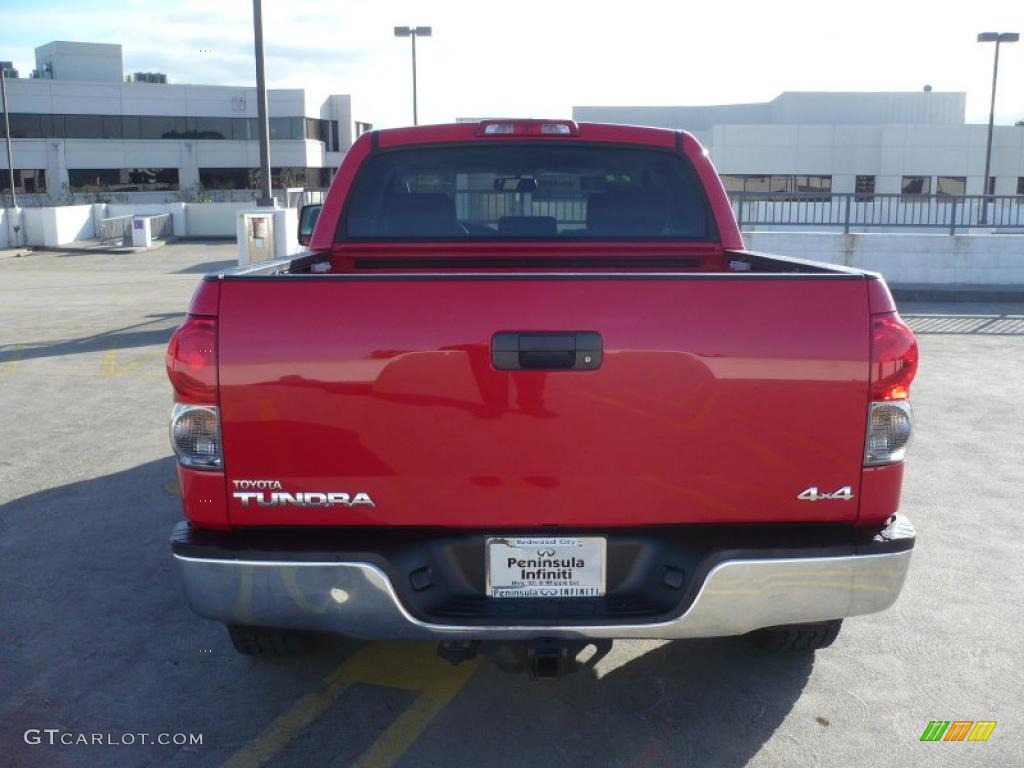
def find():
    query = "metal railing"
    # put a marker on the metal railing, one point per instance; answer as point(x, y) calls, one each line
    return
point(55, 199)
point(161, 226)
point(115, 231)
point(862, 212)
point(487, 207)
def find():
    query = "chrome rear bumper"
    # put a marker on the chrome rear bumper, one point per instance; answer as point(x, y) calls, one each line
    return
point(359, 600)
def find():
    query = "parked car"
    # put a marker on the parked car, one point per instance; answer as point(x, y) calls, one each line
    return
point(527, 392)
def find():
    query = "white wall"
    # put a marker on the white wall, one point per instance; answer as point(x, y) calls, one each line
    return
point(96, 62)
point(906, 259)
point(32, 225)
point(67, 224)
point(213, 219)
point(4, 238)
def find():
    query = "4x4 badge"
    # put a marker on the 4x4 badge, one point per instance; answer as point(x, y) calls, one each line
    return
point(813, 494)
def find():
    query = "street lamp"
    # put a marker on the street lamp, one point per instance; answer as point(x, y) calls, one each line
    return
point(265, 199)
point(413, 32)
point(7, 136)
point(997, 38)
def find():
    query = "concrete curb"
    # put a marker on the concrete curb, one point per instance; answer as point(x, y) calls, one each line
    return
point(126, 249)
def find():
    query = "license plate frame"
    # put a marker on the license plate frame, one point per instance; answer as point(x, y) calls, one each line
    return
point(565, 552)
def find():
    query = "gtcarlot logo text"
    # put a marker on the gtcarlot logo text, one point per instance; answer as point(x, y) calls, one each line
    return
point(55, 736)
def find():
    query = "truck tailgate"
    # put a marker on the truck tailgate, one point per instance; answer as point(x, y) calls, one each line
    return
point(719, 398)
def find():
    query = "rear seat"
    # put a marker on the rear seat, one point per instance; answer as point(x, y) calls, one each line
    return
point(419, 214)
point(527, 226)
point(626, 212)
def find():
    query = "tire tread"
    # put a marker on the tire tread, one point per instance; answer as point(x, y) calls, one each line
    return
point(268, 642)
point(799, 638)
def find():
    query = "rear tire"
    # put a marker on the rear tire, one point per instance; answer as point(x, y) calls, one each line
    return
point(798, 638)
point(266, 641)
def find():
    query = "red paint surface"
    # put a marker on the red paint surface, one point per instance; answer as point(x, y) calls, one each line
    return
point(880, 493)
point(718, 400)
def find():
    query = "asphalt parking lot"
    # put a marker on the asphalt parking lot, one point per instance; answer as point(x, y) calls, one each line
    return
point(96, 638)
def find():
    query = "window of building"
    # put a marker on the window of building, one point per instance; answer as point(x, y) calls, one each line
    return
point(83, 126)
point(122, 179)
point(243, 129)
point(53, 126)
point(309, 178)
point(865, 189)
point(214, 127)
point(249, 178)
point(131, 126)
point(1020, 185)
point(24, 126)
point(112, 127)
point(26, 180)
point(951, 185)
point(785, 186)
point(318, 130)
point(916, 185)
point(287, 128)
point(819, 187)
point(156, 127)
point(991, 185)
point(229, 178)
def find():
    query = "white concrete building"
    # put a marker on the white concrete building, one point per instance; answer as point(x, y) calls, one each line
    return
point(910, 143)
point(79, 125)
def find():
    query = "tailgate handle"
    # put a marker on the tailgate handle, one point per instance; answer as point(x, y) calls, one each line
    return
point(548, 351)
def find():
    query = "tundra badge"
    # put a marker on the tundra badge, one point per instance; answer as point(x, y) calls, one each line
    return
point(268, 493)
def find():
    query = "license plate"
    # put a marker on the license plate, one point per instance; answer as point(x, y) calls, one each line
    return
point(546, 566)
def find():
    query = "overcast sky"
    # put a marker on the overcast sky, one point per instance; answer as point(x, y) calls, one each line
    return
point(537, 58)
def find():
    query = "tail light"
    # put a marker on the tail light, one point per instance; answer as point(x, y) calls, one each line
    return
point(893, 367)
point(195, 436)
point(527, 128)
point(192, 360)
point(192, 369)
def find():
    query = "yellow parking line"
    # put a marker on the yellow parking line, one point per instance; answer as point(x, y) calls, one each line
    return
point(286, 727)
point(12, 362)
point(408, 665)
point(402, 733)
point(111, 367)
point(402, 665)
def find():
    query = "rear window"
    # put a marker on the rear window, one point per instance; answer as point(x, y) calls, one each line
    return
point(526, 192)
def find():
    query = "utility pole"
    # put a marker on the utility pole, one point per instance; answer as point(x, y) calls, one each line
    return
point(414, 32)
point(997, 38)
point(14, 240)
point(7, 135)
point(265, 199)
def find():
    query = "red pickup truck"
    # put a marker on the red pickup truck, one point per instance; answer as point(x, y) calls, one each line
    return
point(528, 389)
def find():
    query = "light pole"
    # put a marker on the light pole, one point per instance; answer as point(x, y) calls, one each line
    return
point(15, 239)
point(265, 199)
point(413, 33)
point(997, 38)
point(7, 136)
